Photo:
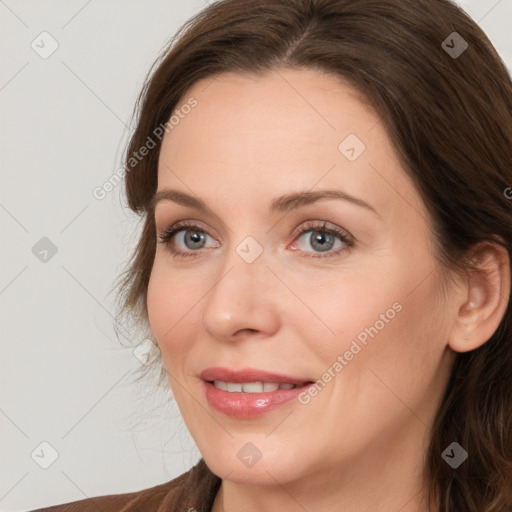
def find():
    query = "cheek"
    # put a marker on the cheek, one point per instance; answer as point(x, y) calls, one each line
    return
point(390, 317)
point(157, 297)
point(174, 302)
point(363, 324)
point(169, 302)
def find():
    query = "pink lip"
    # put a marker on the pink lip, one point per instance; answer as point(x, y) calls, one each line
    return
point(248, 405)
point(248, 375)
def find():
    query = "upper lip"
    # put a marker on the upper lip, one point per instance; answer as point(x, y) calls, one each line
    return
point(248, 375)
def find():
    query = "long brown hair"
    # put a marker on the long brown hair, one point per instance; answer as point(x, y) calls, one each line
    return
point(449, 116)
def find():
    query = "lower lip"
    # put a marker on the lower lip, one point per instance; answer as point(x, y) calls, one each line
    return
point(248, 405)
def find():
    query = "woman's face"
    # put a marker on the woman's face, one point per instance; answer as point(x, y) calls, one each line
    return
point(353, 304)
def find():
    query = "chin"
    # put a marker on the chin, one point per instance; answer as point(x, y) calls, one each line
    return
point(234, 463)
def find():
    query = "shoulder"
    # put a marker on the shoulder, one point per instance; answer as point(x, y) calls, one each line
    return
point(194, 489)
point(115, 502)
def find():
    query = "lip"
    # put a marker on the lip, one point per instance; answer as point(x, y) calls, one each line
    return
point(248, 405)
point(248, 375)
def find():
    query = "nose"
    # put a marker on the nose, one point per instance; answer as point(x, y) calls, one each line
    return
point(243, 301)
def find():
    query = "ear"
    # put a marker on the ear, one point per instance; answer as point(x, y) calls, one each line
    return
point(484, 299)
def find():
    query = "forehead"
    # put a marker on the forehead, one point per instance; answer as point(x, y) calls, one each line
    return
point(291, 129)
point(277, 112)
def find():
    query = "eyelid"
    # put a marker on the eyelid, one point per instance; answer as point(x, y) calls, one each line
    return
point(184, 224)
point(321, 225)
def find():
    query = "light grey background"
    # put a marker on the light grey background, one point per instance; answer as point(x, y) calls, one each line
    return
point(64, 378)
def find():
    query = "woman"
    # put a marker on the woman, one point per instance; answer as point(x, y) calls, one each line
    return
point(325, 259)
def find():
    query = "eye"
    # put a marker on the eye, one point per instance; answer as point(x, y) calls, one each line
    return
point(189, 238)
point(185, 239)
point(328, 240)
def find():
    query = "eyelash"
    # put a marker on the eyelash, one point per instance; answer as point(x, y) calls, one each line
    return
point(347, 239)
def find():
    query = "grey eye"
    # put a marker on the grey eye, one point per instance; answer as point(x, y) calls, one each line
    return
point(191, 239)
point(320, 241)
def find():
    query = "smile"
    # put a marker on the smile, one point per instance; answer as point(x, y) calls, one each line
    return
point(253, 387)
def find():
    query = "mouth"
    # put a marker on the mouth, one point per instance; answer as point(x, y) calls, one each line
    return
point(249, 393)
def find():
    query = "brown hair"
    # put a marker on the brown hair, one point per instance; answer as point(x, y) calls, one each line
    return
point(450, 120)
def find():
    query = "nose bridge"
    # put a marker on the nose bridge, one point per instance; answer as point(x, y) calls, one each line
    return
point(241, 297)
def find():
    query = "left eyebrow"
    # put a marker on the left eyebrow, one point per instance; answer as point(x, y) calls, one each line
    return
point(289, 202)
point(284, 203)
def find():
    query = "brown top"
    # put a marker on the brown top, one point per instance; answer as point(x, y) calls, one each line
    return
point(192, 491)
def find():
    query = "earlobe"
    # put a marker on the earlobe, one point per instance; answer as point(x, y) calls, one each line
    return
point(485, 300)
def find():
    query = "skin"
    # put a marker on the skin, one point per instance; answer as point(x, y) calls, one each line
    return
point(359, 444)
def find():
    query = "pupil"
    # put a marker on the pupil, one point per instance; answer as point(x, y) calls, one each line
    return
point(325, 241)
point(195, 238)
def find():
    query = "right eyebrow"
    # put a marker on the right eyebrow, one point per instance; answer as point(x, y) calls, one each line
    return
point(295, 200)
point(177, 197)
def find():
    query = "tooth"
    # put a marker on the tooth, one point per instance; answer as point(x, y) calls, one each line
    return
point(220, 384)
point(252, 387)
point(234, 387)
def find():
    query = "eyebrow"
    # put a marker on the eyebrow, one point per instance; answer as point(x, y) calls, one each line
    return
point(281, 204)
